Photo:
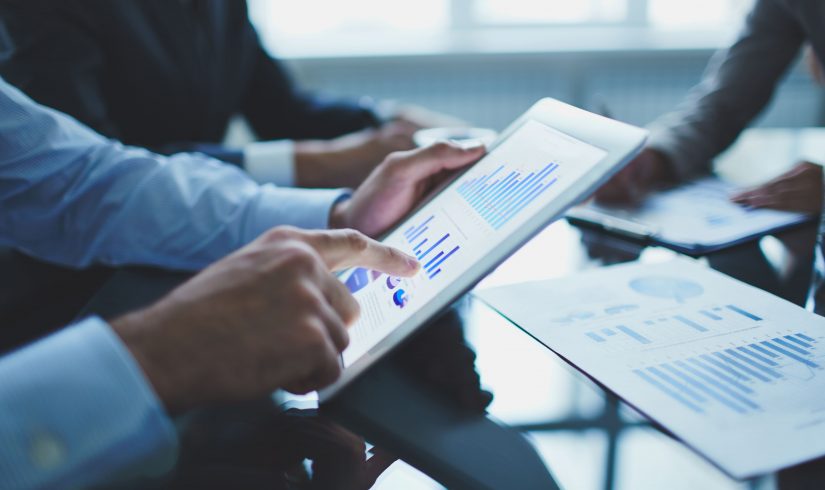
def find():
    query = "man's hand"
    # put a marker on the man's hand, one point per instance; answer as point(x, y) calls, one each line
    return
point(630, 186)
point(268, 316)
point(346, 161)
point(398, 185)
point(799, 189)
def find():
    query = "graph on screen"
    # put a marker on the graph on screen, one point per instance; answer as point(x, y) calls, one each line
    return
point(459, 229)
point(501, 195)
point(432, 244)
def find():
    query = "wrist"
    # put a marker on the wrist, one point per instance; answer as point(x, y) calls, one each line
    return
point(133, 330)
point(661, 170)
point(338, 215)
point(310, 158)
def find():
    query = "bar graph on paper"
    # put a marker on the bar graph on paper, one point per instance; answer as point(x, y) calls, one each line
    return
point(734, 372)
point(670, 327)
point(736, 377)
point(432, 244)
point(733, 378)
point(501, 195)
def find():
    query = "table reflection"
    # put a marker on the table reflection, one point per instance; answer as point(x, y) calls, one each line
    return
point(475, 360)
point(270, 444)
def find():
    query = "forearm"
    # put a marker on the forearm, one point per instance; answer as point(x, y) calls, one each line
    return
point(182, 213)
point(340, 162)
point(63, 184)
point(737, 85)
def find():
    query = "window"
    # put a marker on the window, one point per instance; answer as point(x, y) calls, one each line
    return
point(335, 23)
point(329, 17)
point(493, 12)
point(697, 13)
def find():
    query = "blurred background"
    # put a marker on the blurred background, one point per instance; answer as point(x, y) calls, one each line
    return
point(488, 60)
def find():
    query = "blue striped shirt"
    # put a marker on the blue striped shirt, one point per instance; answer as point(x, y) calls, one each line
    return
point(75, 408)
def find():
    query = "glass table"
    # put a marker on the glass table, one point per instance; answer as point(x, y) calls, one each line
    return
point(586, 437)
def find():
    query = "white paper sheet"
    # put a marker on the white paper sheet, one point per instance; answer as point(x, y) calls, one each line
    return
point(732, 371)
point(696, 214)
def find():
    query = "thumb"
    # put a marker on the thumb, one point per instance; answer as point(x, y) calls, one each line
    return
point(342, 249)
point(424, 162)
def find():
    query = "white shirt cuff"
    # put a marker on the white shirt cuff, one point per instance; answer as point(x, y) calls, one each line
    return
point(271, 161)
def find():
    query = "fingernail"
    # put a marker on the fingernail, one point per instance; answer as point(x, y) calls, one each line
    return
point(413, 263)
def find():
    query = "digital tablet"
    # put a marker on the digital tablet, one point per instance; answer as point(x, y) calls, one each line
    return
point(549, 159)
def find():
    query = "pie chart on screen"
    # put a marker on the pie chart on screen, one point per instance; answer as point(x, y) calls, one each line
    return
point(393, 282)
point(400, 298)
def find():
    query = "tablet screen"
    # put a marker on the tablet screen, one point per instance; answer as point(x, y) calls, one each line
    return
point(467, 220)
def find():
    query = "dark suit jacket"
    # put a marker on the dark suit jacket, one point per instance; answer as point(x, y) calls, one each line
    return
point(163, 74)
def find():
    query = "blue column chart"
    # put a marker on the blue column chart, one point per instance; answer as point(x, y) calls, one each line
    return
point(501, 195)
point(431, 245)
point(732, 377)
point(671, 327)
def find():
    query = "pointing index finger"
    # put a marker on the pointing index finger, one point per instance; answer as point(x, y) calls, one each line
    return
point(342, 249)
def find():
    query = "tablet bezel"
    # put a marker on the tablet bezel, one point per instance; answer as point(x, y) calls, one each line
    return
point(620, 141)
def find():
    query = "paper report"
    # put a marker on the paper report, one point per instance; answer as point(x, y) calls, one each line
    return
point(734, 372)
point(696, 215)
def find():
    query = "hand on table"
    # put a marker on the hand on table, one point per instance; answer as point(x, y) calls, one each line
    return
point(347, 160)
point(400, 183)
point(799, 189)
point(268, 316)
point(631, 185)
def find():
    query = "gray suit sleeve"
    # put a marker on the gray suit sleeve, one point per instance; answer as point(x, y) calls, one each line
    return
point(736, 86)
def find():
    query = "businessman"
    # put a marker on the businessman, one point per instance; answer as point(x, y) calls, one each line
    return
point(168, 76)
point(736, 87)
point(94, 398)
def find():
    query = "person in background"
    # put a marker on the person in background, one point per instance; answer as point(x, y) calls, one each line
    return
point(800, 188)
point(169, 76)
point(94, 399)
point(737, 85)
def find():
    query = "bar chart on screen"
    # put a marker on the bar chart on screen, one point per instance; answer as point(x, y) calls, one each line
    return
point(502, 194)
point(433, 243)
